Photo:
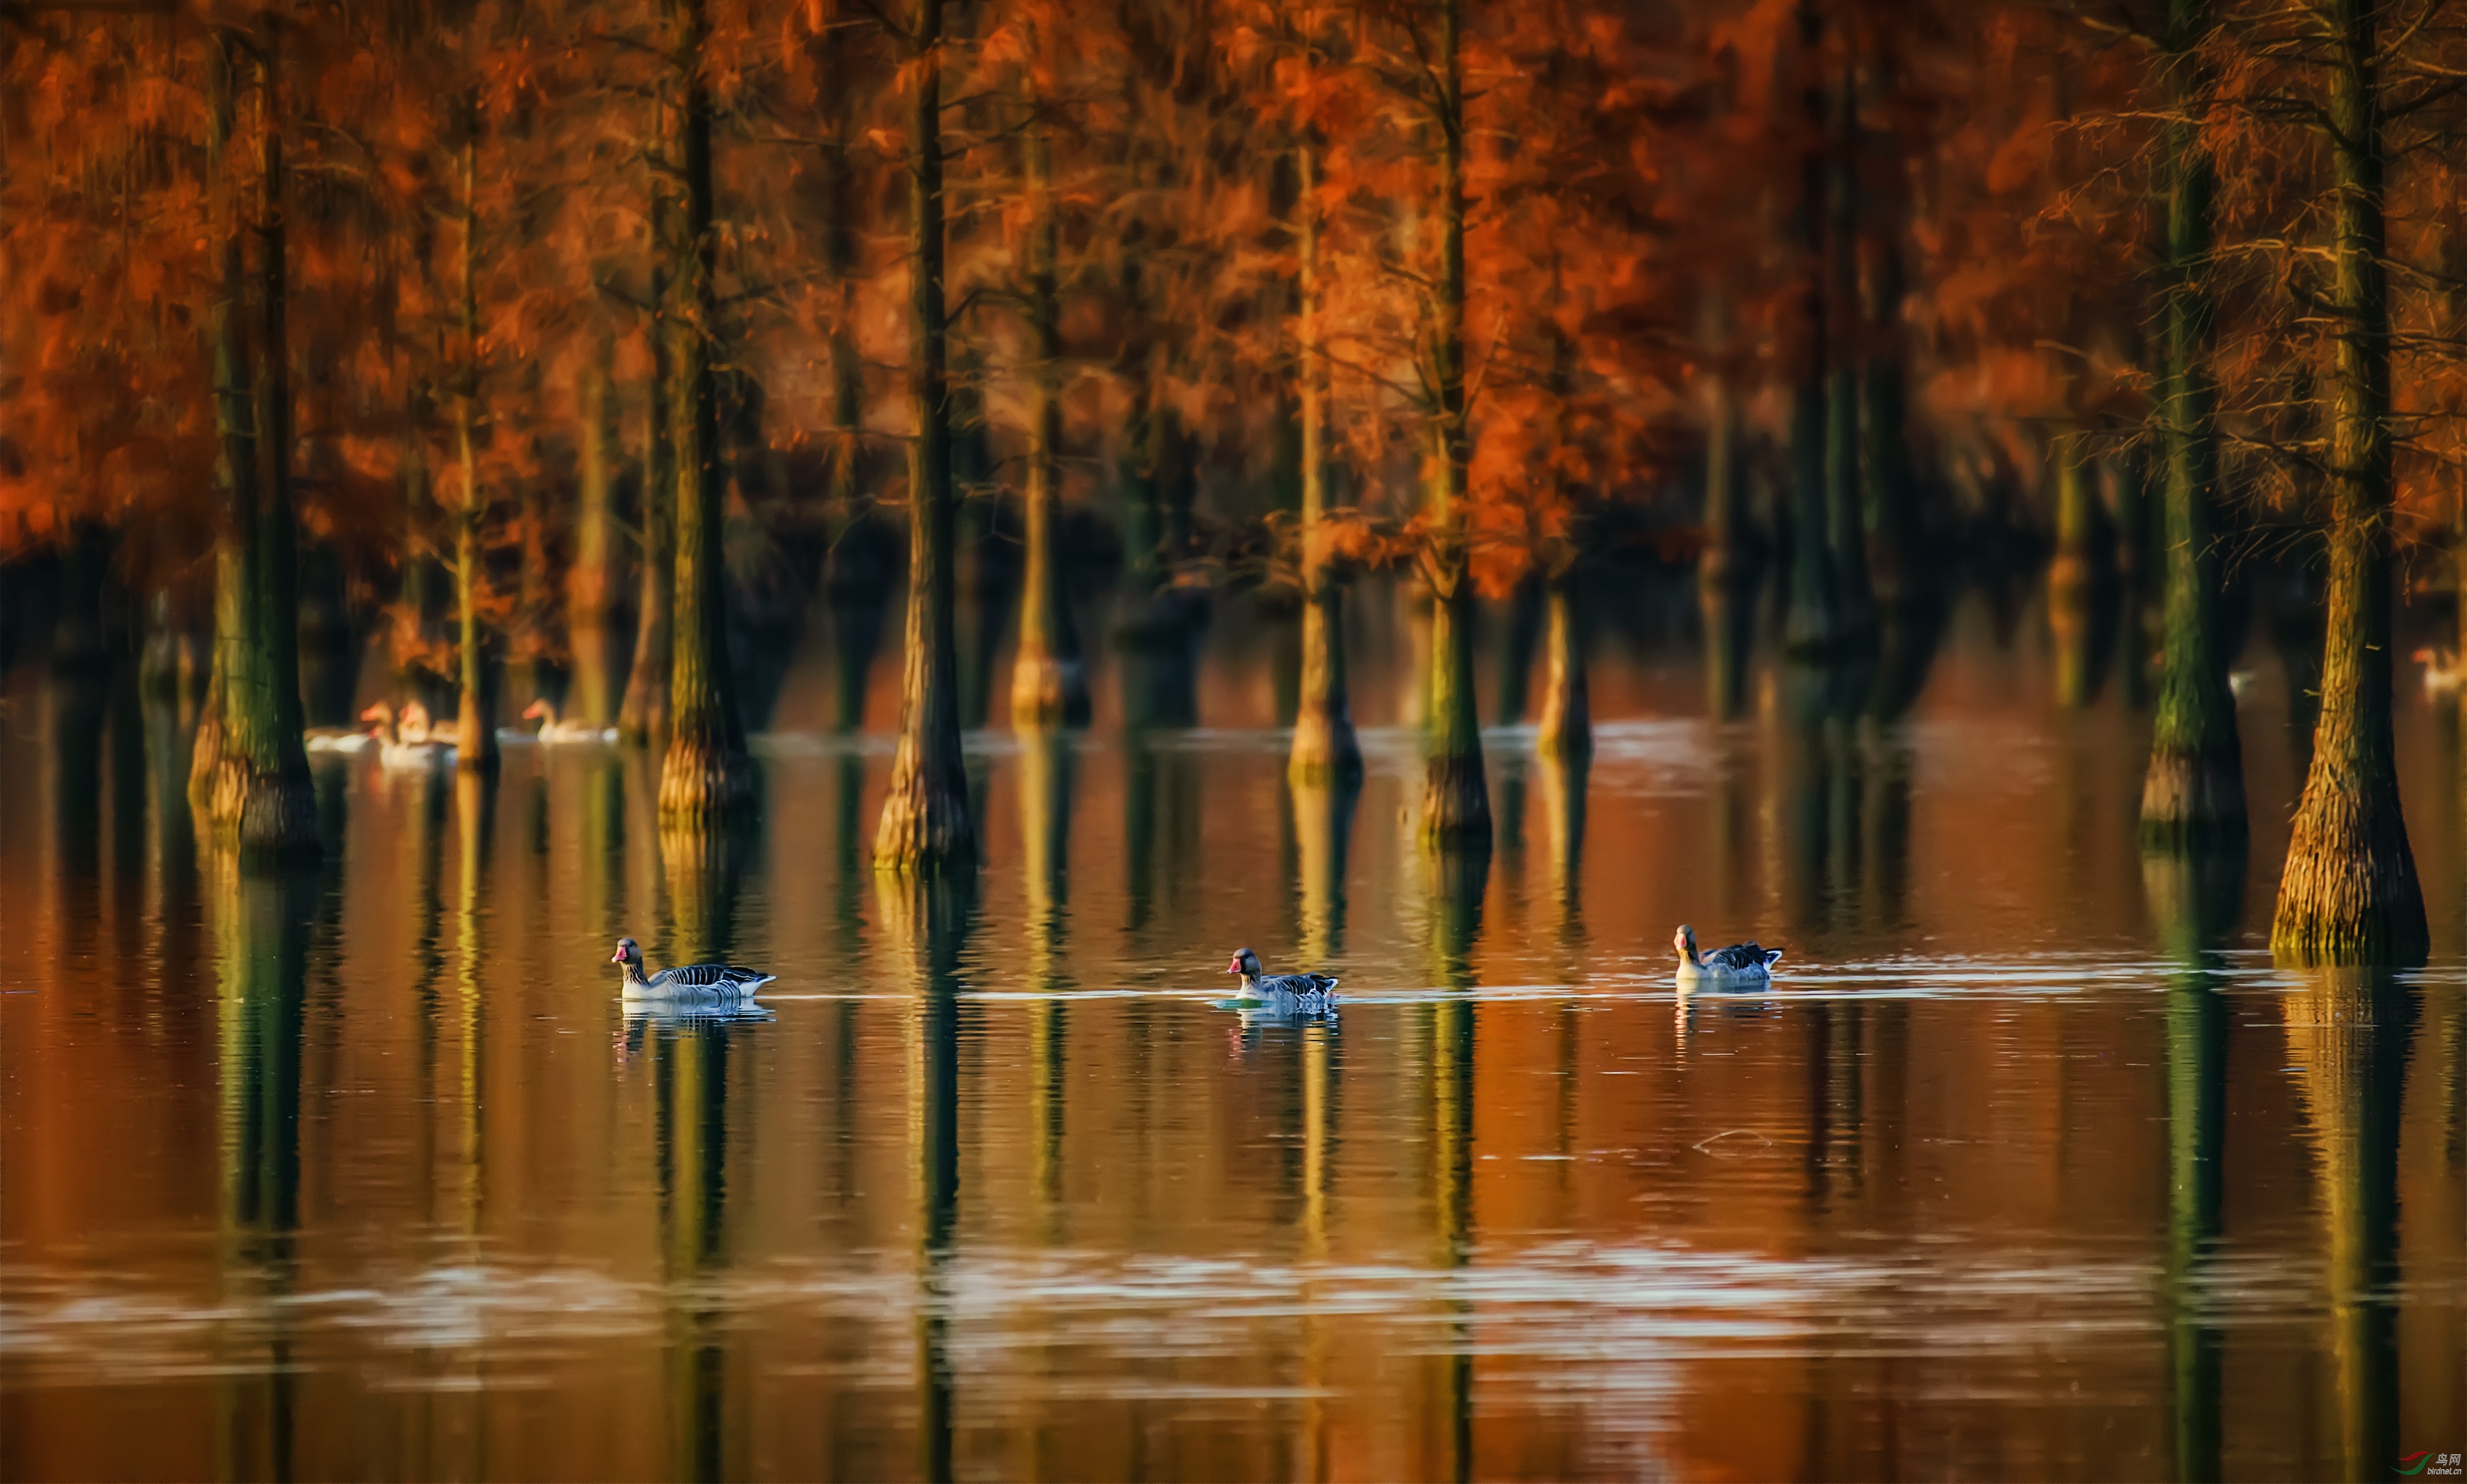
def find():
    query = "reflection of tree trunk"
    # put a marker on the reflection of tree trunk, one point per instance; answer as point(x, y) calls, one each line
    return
point(1563, 799)
point(1322, 829)
point(703, 869)
point(1046, 765)
point(2197, 1028)
point(2348, 1031)
point(925, 824)
point(691, 1098)
point(1318, 1125)
point(475, 797)
point(1048, 1061)
point(1451, 1085)
point(261, 924)
point(924, 924)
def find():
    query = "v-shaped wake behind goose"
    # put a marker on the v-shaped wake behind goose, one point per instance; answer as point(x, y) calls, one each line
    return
point(703, 982)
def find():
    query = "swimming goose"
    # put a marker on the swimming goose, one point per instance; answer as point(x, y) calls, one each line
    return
point(1739, 963)
point(404, 740)
point(688, 982)
point(550, 730)
point(2443, 670)
point(1284, 994)
point(338, 739)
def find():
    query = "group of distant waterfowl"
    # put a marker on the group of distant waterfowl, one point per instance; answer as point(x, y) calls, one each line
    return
point(720, 985)
point(408, 738)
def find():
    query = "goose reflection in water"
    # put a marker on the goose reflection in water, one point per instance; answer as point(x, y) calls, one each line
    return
point(679, 1019)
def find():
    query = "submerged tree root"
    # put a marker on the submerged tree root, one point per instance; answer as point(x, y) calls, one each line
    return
point(2349, 894)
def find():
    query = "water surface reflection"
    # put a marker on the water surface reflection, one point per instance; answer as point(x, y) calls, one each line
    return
point(2029, 1164)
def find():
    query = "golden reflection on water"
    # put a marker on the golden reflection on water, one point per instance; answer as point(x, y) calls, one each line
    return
point(2031, 1165)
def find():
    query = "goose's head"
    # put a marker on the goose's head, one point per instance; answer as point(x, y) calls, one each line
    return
point(628, 953)
point(539, 711)
point(415, 716)
point(1245, 962)
point(1684, 940)
point(380, 713)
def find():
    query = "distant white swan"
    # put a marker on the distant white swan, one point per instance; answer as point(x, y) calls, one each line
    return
point(2442, 671)
point(405, 739)
point(544, 710)
point(338, 739)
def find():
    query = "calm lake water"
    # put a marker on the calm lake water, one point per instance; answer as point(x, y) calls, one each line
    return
point(2031, 1165)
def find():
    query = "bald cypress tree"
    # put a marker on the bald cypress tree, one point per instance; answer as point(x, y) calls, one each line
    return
point(2194, 789)
point(2349, 892)
point(925, 823)
point(706, 774)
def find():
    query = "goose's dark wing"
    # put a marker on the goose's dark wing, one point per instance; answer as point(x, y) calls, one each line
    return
point(1303, 986)
point(711, 976)
point(1740, 956)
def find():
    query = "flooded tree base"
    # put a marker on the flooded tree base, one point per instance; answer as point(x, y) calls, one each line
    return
point(1324, 749)
point(703, 782)
point(2189, 799)
point(925, 829)
point(1047, 691)
point(263, 816)
point(2349, 893)
point(1456, 803)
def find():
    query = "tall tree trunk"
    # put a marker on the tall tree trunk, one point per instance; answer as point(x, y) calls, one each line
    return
point(643, 720)
point(2194, 791)
point(839, 246)
point(476, 730)
point(1724, 560)
point(1566, 730)
point(1049, 684)
point(2349, 893)
point(1456, 796)
point(260, 800)
point(1324, 749)
point(1897, 567)
point(235, 421)
point(925, 825)
point(1813, 625)
point(2078, 573)
point(1844, 507)
point(706, 774)
point(592, 698)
